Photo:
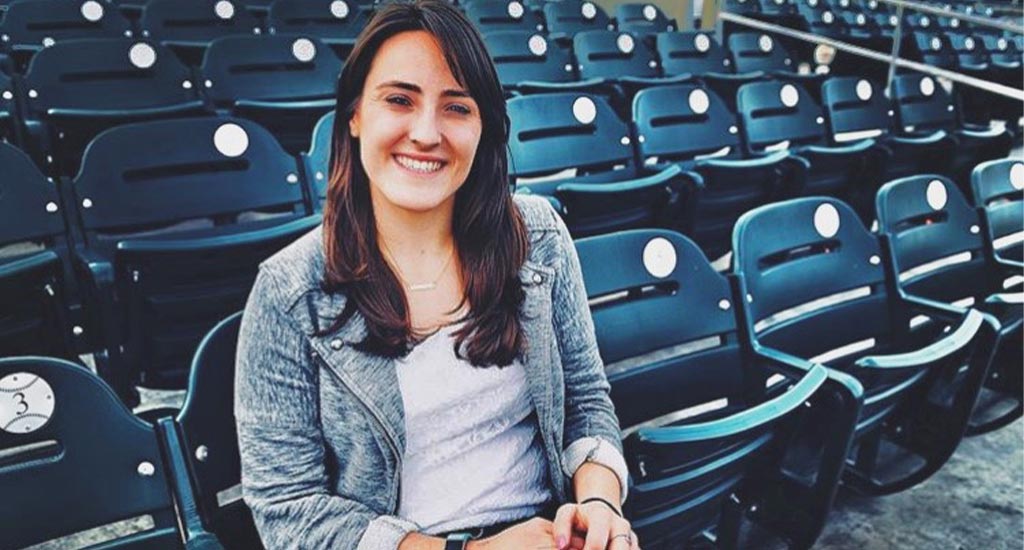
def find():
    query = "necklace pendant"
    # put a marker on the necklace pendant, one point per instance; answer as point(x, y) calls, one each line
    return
point(422, 286)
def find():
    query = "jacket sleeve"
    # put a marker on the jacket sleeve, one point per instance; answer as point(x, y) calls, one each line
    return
point(284, 476)
point(591, 428)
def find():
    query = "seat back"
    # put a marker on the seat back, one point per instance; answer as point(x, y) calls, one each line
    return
point(195, 23)
point(67, 439)
point(317, 160)
point(922, 104)
point(32, 306)
point(662, 114)
point(813, 277)
point(159, 173)
point(7, 107)
point(934, 48)
point(572, 16)
point(998, 187)
point(283, 67)
point(1001, 49)
point(207, 426)
point(758, 52)
point(33, 26)
point(86, 86)
point(934, 239)
point(521, 56)
point(510, 15)
point(691, 52)
point(643, 20)
point(856, 108)
point(775, 112)
point(970, 51)
point(609, 55)
point(551, 133)
point(823, 21)
point(335, 23)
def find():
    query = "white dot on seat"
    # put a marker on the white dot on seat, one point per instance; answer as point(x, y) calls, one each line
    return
point(231, 140)
point(584, 110)
point(826, 220)
point(304, 50)
point(650, 12)
point(224, 9)
point(588, 10)
point(702, 43)
point(92, 11)
point(625, 43)
point(659, 257)
point(699, 101)
point(936, 195)
point(789, 95)
point(538, 45)
point(28, 402)
point(515, 10)
point(339, 9)
point(927, 86)
point(1017, 176)
point(142, 55)
point(765, 43)
point(864, 90)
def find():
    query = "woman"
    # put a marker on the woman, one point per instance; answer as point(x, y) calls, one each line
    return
point(422, 373)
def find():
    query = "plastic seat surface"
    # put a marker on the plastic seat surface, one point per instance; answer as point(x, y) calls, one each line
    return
point(172, 286)
point(337, 24)
point(566, 18)
point(67, 423)
point(190, 27)
point(523, 56)
point(692, 52)
point(934, 239)
point(284, 82)
point(86, 86)
point(33, 26)
point(510, 15)
point(33, 304)
point(997, 193)
point(790, 257)
point(670, 344)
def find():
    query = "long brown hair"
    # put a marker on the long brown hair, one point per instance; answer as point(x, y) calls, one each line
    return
point(490, 235)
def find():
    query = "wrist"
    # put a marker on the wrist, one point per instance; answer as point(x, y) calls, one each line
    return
point(603, 502)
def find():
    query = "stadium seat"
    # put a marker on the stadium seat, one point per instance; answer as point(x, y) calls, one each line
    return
point(528, 62)
point(29, 27)
point(284, 82)
point(79, 459)
point(935, 49)
point(568, 17)
point(857, 108)
point(691, 127)
point(510, 15)
point(815, 288)
point(209, 443)
point(188, 28)
point(33, 250)
point(706, 441)
point(997, 190)
point(933, 238)
point(643, 20)
point(622, 58)
point(8, 108)
point(574, 150)
point(778, 116)
point(176, 215)
point(691, 52)
point(77, 90)
point(923, 106)
point(316, 161)
point(752, 52)
point(336, 24)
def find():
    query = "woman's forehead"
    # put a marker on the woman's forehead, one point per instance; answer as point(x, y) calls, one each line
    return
point(413, 57)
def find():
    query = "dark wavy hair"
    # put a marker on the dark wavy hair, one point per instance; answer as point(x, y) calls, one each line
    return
point(489, 232)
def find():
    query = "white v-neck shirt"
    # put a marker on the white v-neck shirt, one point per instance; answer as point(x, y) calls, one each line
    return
point(473, 454)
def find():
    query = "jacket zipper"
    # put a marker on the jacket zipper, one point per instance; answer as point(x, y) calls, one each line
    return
point(392, 444)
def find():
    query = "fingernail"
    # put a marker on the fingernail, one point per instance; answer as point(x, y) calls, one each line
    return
point(562, 542)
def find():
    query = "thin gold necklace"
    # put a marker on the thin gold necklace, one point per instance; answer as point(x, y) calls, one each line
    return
point(417, 287)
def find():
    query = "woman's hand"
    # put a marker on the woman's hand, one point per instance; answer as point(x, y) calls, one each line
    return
point(603, 529)
point(532, 534)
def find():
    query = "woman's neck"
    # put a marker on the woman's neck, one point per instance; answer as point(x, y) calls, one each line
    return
point(409, 235)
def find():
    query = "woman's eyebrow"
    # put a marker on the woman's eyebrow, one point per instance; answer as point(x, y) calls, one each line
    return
point(416, 89)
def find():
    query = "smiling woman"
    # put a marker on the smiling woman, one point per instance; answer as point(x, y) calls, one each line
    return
point(422, 373)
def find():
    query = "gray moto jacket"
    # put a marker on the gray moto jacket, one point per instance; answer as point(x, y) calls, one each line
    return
point(320, 424)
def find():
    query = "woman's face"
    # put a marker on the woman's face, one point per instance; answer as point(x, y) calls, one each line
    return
point(418, 129)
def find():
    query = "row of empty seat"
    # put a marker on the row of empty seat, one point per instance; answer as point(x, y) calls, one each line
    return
point(830, 355)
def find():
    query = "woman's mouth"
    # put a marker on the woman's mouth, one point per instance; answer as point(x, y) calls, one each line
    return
point(419, 166)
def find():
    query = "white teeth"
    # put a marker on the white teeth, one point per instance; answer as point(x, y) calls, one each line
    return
point(419, 165)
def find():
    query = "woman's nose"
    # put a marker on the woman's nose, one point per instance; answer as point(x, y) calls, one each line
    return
point(425, 130)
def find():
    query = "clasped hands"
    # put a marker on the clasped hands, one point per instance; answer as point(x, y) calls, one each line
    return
point(590, 526)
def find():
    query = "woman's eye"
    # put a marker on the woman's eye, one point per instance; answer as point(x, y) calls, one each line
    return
point(398, 100)
point(460, 109)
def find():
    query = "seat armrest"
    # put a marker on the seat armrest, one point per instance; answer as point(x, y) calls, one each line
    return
point(220, 241)
point(285, 105)
point(861, 146)
point(952, 342)
point(671, 174)
point(759, 160)
point(147, 112)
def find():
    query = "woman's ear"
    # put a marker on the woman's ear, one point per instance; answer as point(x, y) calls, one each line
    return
point(353, 125)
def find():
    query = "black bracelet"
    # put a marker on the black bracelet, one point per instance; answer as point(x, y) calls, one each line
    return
point(602, 501)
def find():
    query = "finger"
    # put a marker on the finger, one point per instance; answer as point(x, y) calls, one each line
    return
point(636, 541)
point(598, 532)
point(562, 525)
point(577, 542)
